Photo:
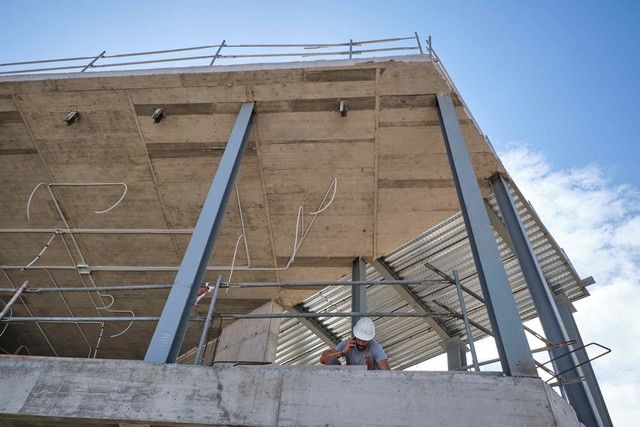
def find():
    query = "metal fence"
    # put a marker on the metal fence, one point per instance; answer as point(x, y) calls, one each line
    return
point(227, 52)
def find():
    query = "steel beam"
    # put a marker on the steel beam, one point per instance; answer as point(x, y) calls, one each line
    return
point(172, 327)
point(498, 226)
point(515, 355)
point(316, 327)
point(577, 391)
point(409, 297)
point(358, 293)
point(566, 310)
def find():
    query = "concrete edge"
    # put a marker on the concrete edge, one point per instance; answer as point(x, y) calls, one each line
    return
point(322, 63)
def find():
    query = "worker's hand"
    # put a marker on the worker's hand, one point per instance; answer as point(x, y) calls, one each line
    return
point(350, 344)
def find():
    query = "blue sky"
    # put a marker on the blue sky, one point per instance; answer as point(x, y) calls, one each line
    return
point(555, 86)
point(560, 76)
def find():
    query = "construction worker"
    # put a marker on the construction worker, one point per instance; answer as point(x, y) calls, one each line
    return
point(360, 349)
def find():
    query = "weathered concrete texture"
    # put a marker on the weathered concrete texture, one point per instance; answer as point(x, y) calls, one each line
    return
point(245, 340)
point(108, 392)
point(250, 340)
point(388, 156)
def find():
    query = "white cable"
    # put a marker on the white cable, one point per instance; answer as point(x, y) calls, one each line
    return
point(7, 323)
point(95, 352)
point(130, 323)
point(334, 184)
point(106, 307)
point(119, 200)
point(20, 348)
point(244, 231)
point(42, 251)
point(233, 260)
point(30, 197)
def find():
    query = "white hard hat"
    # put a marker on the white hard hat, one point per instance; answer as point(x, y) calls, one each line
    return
point(365, 329)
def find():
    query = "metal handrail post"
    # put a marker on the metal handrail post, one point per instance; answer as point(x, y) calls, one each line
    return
point(419, 45)
point(429, 47)
point(463, 308)
point(217, 52)
point(350, 48)
point(207, 322)
point(90, 64)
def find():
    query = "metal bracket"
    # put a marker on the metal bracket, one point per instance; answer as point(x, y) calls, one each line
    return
point(83, 269)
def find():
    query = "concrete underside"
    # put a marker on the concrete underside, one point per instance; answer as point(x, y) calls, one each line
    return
point(388, 156)
point(107, 392)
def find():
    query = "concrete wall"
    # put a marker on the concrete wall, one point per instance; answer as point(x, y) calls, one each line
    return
point(108, 392)
point(245, 340)
point(250, 340)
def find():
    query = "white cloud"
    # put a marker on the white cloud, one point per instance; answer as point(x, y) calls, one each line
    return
point(598, 225)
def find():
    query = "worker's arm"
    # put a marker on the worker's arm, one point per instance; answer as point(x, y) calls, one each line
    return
point(383, 365)
point(380, 357)
point(331, 356)
point(326, 358)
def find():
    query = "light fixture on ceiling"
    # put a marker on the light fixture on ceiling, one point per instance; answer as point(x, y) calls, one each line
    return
point(71, 118)
point(157, 115)
point(343, 108)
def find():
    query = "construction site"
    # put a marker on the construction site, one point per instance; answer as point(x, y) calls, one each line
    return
point(179, 246)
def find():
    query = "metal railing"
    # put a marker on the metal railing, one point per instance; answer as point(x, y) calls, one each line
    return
point(225, 51)
point(301, 284)
point(241, 52)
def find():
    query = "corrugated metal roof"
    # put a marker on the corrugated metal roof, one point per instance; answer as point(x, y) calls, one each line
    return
point(408, 341)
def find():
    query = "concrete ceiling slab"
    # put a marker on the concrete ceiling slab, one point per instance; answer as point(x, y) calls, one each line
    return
point(387, 157)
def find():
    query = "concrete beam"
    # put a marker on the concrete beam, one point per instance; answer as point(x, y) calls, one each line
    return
point(456, 353)
point(250, 340)
point(47, 391)
point(245, 340)
point(409, 297)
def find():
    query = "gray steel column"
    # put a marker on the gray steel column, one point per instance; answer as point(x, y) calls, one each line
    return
point(358, 293)
point(565, 309)
point(515, 355)
point(577, 391)
point(456, 354)
point(172, 326)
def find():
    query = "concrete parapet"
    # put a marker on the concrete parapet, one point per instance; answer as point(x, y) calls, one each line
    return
point(112, 392)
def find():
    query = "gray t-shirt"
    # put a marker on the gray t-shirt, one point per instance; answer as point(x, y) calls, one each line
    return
point(372, 354)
